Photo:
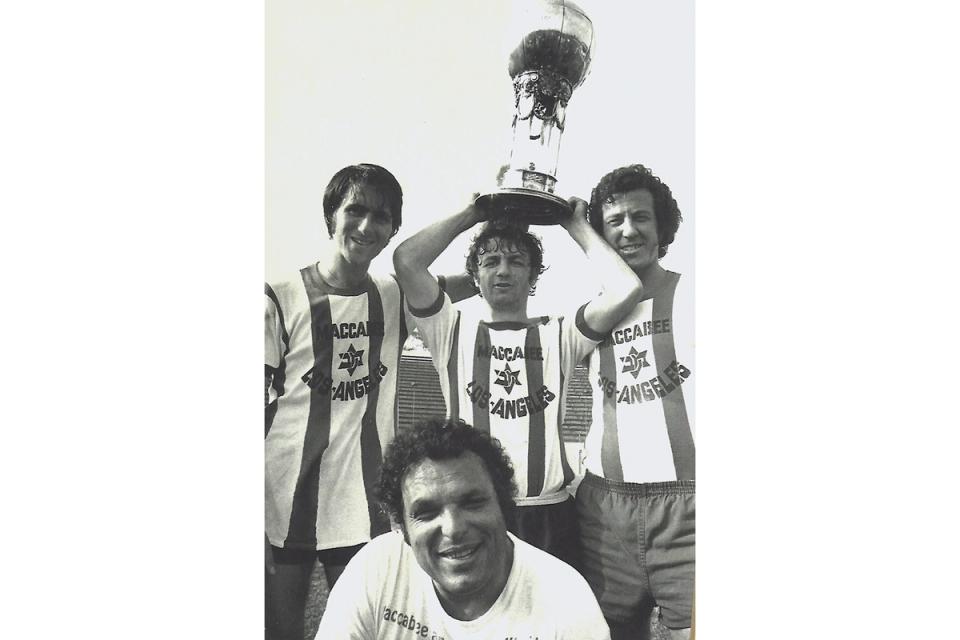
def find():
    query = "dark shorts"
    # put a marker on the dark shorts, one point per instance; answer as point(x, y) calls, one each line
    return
point(338, 556)
point(637, 543)
point(551, 527)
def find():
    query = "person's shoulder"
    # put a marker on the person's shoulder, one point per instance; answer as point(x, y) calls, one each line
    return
point(385, 543)
point(286, 291)
point(384, 279)
point(550, 569)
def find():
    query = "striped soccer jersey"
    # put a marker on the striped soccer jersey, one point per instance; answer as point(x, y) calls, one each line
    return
point(508, 379)
point(332, 407)
point(642, 423)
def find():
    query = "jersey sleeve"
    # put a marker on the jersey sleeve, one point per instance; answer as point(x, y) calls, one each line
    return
point(275, 340)
point(577, 340)
point(436, 325)
point(273, 330)
point(351, 607)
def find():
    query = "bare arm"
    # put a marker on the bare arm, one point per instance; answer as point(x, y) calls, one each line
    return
point(412, 259)
point(460, 287)
point(622, 288)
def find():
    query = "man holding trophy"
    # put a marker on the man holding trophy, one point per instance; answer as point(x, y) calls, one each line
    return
point(505, 372)
point(637, 502)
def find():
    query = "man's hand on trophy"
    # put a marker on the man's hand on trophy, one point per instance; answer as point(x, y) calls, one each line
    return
point(579, 216)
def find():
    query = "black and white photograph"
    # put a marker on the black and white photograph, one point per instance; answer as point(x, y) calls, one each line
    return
point(481, 215)
point(511, 253)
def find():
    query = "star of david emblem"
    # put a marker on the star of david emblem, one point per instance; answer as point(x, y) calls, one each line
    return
point(634, 361)
point(351, 359)
point(507, 379)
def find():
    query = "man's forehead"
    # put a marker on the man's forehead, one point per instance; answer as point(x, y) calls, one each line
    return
point(502, 246)
point(368, 197)
point(424, 478)
point(634, 200)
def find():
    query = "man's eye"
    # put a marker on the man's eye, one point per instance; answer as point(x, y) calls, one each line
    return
point(614, 222)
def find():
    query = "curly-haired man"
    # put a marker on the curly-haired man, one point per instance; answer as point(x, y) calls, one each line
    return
point(636, 504)
point(504, 371)
point(453, 570)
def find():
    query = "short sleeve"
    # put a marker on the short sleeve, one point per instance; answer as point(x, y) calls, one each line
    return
point(436, 325)
point(350, 611)
point(273, 330)
point(585, 620)
point(577, 340)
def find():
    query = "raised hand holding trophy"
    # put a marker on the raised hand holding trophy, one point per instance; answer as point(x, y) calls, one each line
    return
point(551, 59)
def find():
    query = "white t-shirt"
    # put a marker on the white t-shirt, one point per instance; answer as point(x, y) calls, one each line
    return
point(384, 595)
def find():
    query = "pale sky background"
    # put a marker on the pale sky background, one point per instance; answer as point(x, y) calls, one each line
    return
point(422, 89)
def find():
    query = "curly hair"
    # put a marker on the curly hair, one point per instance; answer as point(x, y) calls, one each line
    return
point(443, 439)
point(629, 178)
point(511, 238)
point(356, 175)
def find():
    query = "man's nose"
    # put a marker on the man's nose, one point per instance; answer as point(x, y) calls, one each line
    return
point(365, 223)
point(628, 229)
point(452, 523)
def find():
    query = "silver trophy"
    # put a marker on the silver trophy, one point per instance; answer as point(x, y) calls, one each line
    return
point(551, 59)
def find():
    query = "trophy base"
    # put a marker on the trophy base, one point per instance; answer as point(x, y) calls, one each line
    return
point(524, 206)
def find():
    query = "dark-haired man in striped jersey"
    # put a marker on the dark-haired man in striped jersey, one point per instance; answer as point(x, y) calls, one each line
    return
point(636, 504)
point(505, 372)
point(334, 334)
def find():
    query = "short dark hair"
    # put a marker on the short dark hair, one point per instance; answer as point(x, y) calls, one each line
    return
point(630, 178)
point(371, 175)
point(512, 237)
point(444, 439)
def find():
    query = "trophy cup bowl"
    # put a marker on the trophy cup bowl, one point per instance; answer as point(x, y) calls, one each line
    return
point(551, 58)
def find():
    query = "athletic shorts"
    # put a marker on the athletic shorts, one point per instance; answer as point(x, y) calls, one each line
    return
point(338, 556)
point(551, 527)
point(637, 545)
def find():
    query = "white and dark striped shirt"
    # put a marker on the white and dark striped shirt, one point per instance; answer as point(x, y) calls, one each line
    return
point(508, 379)
point(331, 407)
point(642, 374)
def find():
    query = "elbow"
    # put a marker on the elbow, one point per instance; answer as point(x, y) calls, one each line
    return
point(636, 292)
point(402, 260)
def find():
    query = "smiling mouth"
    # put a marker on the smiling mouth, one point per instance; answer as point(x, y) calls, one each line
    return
point(459, 553)
point(630, 248)
point(362, 242)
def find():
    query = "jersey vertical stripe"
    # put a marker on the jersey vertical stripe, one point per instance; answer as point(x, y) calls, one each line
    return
point(537, 445)
point(568, 474)
point(278, 373)
point(674, 408)
point(370, 453)
point(481, 373)
point(453, 380)
point(610, 447)
point(303, 517)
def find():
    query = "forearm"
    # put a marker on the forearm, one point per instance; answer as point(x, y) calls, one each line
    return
point(418, 252)
point(412, 259)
